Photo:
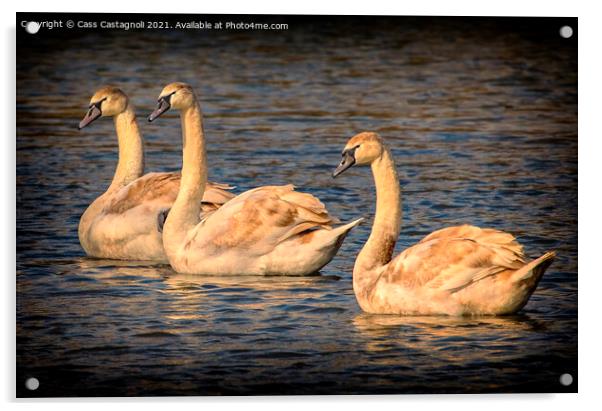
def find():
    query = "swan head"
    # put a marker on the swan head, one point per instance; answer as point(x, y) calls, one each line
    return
point(175, 95)
point(361, 149)
point(106, 102)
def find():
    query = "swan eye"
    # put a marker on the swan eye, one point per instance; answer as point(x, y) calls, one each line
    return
point(350, 151)
point(167, 98)
point(98, 104)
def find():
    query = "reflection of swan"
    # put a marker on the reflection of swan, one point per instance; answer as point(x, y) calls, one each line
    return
point(126, 221)
point(381, 325)
point(268, 230)
point(456, 270)
point(156, 295)
point(444, 340)
point(278, 287)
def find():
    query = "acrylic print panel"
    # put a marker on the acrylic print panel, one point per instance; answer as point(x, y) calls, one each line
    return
point(473, 121)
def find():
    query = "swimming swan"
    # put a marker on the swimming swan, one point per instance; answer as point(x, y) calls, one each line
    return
point(125, 222)
point(461, 270)
point(271, 230)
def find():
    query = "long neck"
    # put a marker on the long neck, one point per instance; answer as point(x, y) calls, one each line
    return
point(184, 214)
point(131, 149)
point(378, 250)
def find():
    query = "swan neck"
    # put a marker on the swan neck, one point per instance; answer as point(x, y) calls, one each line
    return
point(379, 248)
point(130, 165)
point(184, 214)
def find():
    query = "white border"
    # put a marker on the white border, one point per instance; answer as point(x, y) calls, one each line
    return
point(590, 239)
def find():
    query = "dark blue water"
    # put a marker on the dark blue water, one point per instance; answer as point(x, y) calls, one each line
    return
point(482, 121)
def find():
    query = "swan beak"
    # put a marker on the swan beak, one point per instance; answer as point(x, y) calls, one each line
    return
point(162, 107)
point(347, 161)
point(92, 114)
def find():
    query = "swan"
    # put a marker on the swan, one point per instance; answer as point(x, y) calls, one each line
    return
point(462, 270)
point(125, 222)
point(270, 230)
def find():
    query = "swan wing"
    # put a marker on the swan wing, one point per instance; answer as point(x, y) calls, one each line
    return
point(151, 187)
point(163, 188)
point(260, 219)
point(216, 195)
point(455, 257)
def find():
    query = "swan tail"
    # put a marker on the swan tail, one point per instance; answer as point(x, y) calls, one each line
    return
point(221, 186)
point(534, 270)
point(217, 195)
point(336, 236)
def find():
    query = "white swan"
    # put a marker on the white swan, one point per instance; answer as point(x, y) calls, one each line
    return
point(461, 270)
point(126, 221)
point(270, 230)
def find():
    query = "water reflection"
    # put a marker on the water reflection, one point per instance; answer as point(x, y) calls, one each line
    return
point(427, 333)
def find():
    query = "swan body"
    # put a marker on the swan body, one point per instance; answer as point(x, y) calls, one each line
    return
point(126, 221)
point(271, 230)
point(462, 270)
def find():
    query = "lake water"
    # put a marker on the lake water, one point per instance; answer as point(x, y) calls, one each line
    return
point(481, 117)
